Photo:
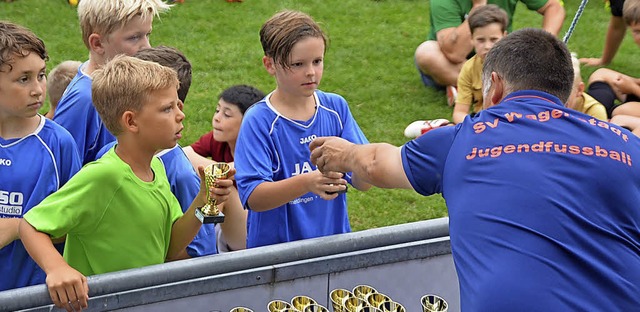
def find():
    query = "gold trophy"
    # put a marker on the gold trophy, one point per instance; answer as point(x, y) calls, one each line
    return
point(433, 303)
point(391, 306)
point(241, 309)
point(301, 302)
point(278, 306)
point(352, 304)
point(362, 291)
point(375, 299)
point(338, 296)
point(315, 308)
point(209, 213)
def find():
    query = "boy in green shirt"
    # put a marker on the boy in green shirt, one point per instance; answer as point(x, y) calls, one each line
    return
point(118, 212)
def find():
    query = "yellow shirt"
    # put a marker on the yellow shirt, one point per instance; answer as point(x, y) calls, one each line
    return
point(470, 83)
point(592, 107)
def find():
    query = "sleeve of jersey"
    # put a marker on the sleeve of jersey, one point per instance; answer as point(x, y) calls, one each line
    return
point(445, 14)
point(465, 84)
point(203, 146)
point(78, 206)
point(253, 154)
point(424, 158)
point(535, 5)
point(74, 113)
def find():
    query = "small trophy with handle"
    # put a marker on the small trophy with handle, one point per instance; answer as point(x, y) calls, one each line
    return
point(209, 213)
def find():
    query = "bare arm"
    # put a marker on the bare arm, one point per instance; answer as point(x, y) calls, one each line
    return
point(185, 229)
point(68, 288)
point(613, 39)
point(455, 42)
point(9, 230)
point(379, 164)
point(269, 195)
point(195, 158)
point(553, 16)
point(459, 112)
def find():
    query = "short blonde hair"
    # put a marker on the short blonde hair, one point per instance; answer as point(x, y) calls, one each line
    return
point(59, 78)
point(103, 17)
point(631, 12)
point(577, 78)
point(124, 84)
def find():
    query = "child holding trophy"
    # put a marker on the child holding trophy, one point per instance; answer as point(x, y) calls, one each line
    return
point(118, 212)
point(288, 199)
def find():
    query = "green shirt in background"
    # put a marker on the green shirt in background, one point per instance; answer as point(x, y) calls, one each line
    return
point(451, 13)
point(113, 220)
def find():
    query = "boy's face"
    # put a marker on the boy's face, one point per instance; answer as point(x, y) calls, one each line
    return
point(22, 86)
point(306, 65)
point(226, 122)
point(130, 39)
point(635, 32)
point(160, 120)
point(483, 38)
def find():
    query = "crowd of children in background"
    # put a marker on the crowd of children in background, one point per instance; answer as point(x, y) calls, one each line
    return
point(108, 146)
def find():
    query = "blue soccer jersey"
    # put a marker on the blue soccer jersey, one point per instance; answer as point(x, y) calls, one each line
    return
point(271, 147)
point(76, 113)
point(531, 229)
point(31, 168)
point(185, 185)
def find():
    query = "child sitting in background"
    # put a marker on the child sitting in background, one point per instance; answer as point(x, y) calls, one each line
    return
point(219, 144)
point(580, 100)
point(57, 81)
point(38, 156)
point(488, 25)
point(118, 212)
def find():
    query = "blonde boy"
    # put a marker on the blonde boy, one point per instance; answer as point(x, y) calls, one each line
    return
point(580, 100)
point(488, 25)
point(108, 28)
point(118, 212)
point(57, 81)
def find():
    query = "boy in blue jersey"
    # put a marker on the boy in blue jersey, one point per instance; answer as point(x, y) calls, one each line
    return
point(533, 214)
point(183, 179)
point(37, 156)
point(108, 28)
point(118, 212)
point(288, 199)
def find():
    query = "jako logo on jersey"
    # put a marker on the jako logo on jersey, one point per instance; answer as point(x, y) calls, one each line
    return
point(306, 167)
point(5, 162)
point(308, 139)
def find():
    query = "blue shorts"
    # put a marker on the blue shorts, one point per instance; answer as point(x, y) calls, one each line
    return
point(428, 81)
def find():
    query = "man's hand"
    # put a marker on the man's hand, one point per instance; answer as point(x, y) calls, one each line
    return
point(330, 153)
point(68, 288)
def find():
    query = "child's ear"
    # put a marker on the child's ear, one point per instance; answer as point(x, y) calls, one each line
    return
point(128, 122)
point(269, 65)
point(95, 43)
point(580, 88)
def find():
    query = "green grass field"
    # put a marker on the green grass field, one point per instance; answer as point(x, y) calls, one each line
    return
point(369, 61)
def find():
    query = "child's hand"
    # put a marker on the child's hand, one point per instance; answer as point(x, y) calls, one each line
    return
point(68, 288)
point(328, 185)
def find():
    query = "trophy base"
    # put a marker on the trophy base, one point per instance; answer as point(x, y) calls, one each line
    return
point(206, 219)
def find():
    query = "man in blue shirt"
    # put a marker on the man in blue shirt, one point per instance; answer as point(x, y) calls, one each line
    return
point(543, 201)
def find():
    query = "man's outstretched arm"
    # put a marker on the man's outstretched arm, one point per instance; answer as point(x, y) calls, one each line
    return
point(379, 164)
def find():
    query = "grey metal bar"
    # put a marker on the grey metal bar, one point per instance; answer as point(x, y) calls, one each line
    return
point(199, 269)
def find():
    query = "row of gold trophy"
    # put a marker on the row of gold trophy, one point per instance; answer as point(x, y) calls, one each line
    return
point(363, 298)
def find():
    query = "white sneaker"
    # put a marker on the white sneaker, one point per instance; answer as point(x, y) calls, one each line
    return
point(420, 127)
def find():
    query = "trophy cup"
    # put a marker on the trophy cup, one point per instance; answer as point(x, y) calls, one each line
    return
point(241, 309)
point(352, 304)
point(315, 308)
point(375, 299)
point(361, 291)
point(433, 303)
point(278, 306)
point(391, 306)
point(301, 302)
point(209, 213)
point(368, 309)
point(338, 296)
